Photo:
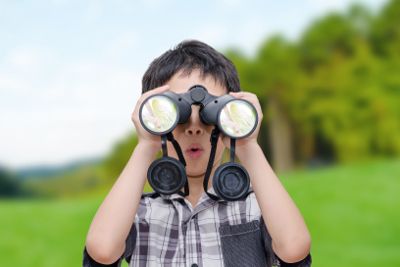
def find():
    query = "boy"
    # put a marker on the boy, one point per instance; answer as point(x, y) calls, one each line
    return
point(264, 229)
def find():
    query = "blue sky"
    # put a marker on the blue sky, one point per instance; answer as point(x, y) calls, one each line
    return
point(70, 71)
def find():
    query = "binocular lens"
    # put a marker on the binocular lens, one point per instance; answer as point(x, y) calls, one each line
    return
point(238, 118)
point(231, 181)
point(166, 175)
point(159, 114)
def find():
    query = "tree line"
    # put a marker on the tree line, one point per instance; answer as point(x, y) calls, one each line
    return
point(334, 94)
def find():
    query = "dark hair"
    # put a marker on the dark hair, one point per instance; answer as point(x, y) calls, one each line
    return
point(188, 56)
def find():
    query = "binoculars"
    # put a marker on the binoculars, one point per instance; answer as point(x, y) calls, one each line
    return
point(159, 114)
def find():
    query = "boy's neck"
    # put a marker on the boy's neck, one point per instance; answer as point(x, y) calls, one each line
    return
point(195, 189)
point(196, 184)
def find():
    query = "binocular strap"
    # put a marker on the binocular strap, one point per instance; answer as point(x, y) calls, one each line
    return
point(214, 138)
point(178, 150)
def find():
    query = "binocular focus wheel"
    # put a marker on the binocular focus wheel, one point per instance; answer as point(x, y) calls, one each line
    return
point(231, 181)
point(166, 175)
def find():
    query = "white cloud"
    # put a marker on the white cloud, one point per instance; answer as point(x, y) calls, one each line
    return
point(253, 31)
point(322, 5)
point(231, 3)
point(25, 58)
point(79, 111)
point(94, 11)
point(124, 42)
point(214, 34)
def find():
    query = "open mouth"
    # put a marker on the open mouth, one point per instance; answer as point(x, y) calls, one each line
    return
point(194, 151)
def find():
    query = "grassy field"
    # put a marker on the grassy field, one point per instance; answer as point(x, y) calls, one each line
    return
point(352, 212)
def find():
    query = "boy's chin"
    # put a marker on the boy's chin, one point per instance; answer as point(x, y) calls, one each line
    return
point(196, 173)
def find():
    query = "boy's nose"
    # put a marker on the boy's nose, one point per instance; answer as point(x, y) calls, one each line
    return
point(190, 131)
point(194, 125)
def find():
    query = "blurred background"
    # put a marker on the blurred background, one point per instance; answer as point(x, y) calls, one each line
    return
point(327, 74)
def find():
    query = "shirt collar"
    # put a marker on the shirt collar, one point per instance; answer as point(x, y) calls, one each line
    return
point(177, 196)
point(211, 191)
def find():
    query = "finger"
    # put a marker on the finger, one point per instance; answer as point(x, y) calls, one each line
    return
point(243, 94)
point(146, 95)
point(156, 91)
point(236, 94)
point(252, 98)
point(247, 94)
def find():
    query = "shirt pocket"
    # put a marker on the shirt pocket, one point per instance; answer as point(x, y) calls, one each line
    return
point(242, 245)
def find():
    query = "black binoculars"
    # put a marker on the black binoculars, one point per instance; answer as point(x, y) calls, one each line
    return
point(237, 118)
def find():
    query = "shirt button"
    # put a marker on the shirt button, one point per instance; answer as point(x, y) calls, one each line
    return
point(195, 265)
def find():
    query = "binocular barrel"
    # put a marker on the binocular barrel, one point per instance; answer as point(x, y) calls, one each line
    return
point(161, 113)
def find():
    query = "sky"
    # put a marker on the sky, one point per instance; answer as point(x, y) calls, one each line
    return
point(70, 71)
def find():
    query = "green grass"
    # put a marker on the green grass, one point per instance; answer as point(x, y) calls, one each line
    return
point(44, 233)
point(352, 212)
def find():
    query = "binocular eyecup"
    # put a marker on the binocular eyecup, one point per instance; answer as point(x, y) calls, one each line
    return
point(166, 175)
point(231, 181)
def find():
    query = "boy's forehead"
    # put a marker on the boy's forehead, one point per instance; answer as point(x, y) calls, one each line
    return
point(181, 82)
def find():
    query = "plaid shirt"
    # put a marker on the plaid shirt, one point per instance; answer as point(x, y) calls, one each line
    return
point(168, 231)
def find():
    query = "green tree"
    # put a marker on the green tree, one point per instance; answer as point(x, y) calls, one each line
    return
point(334, 93)
point(385, 32)
point(119, 156)
point(10, 187)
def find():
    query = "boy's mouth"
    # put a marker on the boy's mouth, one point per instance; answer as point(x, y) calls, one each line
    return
point(194, 151)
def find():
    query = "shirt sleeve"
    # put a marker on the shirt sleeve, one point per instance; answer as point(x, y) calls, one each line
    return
point(272, 258)
point(306, 262)
point(88, 261)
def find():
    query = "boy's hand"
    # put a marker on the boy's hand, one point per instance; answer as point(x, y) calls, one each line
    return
point(144, 137)
point(251, 139)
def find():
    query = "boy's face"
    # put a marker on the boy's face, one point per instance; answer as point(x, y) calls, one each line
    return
point(194, 133)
